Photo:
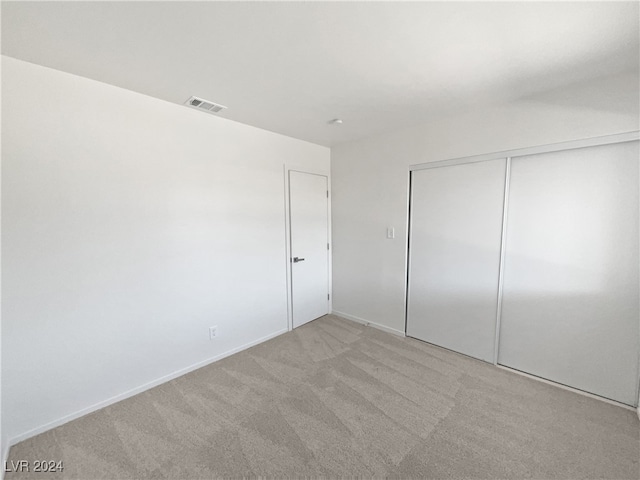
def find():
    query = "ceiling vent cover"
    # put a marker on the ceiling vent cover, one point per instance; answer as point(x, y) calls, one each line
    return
point(206, 105)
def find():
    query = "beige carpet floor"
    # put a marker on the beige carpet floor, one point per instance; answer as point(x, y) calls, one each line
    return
point(336, 399)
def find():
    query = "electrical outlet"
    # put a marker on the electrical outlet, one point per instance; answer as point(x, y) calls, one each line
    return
point(213, 332)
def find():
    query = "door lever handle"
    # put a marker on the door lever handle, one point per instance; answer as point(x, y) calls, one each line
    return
point(297, 259)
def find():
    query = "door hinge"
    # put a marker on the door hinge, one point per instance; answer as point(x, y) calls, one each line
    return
point(327, 193)
point(328, 296)
point(327, 246)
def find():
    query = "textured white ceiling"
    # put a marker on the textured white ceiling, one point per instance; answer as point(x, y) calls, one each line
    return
point(292, 67)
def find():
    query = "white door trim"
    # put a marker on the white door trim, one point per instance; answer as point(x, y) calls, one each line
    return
point(287, 222)
point(552, 147)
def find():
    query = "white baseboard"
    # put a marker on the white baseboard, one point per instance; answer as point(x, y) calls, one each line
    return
point(368, 323)
point(402, 334)
point(134, 391)
point(569, 389)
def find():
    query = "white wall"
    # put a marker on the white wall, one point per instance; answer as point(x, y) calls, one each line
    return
point(130, 225)
point(370, 180)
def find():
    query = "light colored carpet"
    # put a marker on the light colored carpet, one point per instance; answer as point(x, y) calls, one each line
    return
point(336, 399)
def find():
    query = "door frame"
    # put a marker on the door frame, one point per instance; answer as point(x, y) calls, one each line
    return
point(288, 167)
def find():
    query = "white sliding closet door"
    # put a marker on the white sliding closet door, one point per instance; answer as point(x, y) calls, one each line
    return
point(456, 225)
point(570, 293)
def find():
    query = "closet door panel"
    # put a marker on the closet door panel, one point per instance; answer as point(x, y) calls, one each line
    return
point(456, 228)
point(570, 294)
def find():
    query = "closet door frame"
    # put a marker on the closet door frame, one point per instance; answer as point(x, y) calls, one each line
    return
point(509, 154)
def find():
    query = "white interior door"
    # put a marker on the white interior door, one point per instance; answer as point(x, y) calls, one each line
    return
point(456, 232)
point(309, 221)
point(570, 294)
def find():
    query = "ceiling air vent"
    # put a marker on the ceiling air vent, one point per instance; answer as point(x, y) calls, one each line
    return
point(206, 105)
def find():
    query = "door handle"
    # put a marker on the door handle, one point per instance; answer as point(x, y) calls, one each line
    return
point(297, 259)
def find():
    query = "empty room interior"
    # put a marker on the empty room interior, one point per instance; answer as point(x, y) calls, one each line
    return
point(320, 239)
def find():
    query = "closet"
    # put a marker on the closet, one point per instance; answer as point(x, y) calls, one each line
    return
point(456, 227)
point(530, 259)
